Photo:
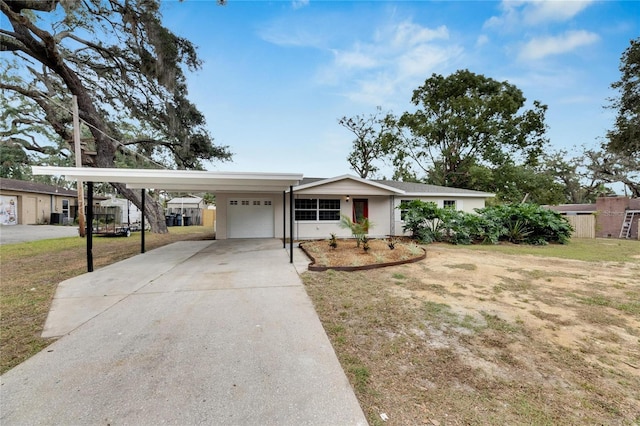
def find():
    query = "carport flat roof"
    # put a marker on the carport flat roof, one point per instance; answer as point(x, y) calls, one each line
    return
point(178, 180)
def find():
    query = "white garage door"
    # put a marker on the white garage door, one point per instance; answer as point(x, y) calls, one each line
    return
point(250, 218)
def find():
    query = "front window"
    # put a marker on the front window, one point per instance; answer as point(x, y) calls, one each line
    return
point(313, 209)
point(404, 209)
point(449, 204)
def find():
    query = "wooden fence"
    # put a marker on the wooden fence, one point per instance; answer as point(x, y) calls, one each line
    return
point(584, 226)
point(209, 218)
point(194, 216)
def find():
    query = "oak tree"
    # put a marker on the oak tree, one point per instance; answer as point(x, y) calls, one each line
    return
point(126, 70)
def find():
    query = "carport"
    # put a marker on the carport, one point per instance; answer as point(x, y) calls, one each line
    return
point(180, 180)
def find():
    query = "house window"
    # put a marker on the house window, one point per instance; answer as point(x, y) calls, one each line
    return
point(306, 209)
point(329, 209)
point(404, 209)
point(449, 204)
point(314, 209)
point(65, 208)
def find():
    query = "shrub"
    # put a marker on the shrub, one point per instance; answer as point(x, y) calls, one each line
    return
point(529, 223)
point(423, 219)
point(516, 223)
point(333, 243)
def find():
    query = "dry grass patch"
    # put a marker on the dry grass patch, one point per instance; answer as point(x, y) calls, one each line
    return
point(434, 343)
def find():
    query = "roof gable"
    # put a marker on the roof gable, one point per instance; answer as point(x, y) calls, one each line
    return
point(345, 184)
point(353, 185)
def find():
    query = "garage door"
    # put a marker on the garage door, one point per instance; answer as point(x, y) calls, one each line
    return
point(250, 218)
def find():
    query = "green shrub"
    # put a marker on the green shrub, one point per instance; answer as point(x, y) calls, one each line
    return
point(516, 223)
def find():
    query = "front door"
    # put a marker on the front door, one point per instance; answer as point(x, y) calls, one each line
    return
point(360, 209)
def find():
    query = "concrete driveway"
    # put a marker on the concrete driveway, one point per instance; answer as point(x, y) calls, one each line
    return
point(207, 332)
point(11, 234)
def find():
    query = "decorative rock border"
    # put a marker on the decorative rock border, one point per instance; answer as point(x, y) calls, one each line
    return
point(316, 268)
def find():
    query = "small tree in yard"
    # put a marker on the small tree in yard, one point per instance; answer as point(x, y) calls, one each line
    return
point(358, 229)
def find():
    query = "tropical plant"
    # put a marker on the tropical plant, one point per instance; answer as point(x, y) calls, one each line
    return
point(423, 219)
point(358, 229)
point(516, 223)
point(333, 243)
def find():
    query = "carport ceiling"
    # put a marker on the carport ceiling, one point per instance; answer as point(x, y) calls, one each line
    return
point(178, 180)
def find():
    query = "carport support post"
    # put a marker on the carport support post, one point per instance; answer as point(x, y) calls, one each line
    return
point(142, 224)
point(291, 224)
point(89, 225)
point(284, 219)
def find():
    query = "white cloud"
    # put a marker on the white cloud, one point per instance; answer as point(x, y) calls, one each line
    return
point(516, 13)
point(285, 32)
point(398, 57)
point(407, 34)
point(356, 58)
point(537, 12)
point(297, 4)
point(541, 47)
point(482, 40)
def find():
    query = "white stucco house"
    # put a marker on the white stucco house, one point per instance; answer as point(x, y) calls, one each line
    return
point(319, 203)
point(277, 205)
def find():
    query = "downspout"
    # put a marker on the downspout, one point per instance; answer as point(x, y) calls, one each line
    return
point(291, 224)
point(392, 225)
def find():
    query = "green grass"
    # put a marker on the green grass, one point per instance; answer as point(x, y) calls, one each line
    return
point(589, 250)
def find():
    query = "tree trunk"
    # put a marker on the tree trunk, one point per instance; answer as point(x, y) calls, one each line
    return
point(153, 211)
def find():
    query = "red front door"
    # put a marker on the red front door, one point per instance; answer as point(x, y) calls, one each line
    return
point(360, 209)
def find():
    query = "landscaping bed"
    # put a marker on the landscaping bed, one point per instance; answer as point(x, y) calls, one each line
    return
point(348, 256)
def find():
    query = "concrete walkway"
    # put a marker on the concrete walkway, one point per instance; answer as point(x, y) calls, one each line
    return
point(212, 332)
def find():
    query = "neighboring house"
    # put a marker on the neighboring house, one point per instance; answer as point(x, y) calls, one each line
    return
point(29, 203)
point(615, 217)
point(616, 214)
point(319, 203)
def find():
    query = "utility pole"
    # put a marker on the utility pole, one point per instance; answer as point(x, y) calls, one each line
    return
point(78, 151)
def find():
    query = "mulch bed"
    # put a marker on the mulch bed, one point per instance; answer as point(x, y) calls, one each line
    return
point(348, 257)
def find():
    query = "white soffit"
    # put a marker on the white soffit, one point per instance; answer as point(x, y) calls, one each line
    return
point(178, 180)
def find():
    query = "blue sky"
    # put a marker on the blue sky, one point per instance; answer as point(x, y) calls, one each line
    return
point(277, 75)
